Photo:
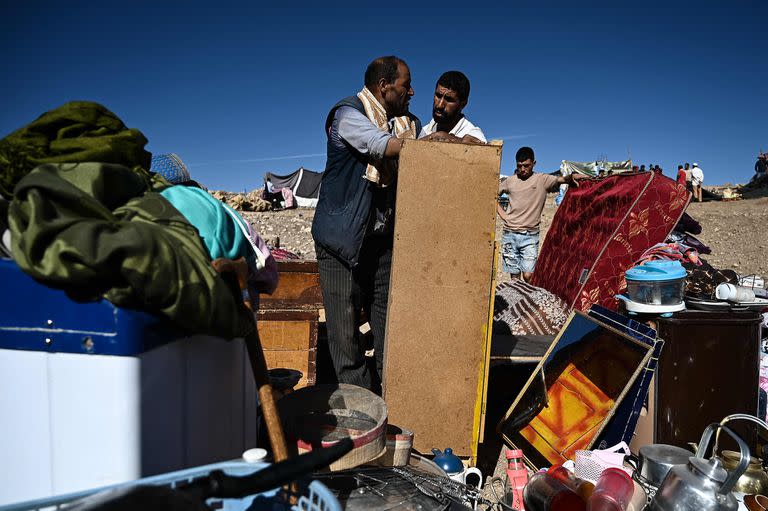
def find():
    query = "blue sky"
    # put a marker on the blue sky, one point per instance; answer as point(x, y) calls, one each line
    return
point(238, 89)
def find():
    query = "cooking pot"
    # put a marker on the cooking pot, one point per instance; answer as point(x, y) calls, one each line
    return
point(656, 460)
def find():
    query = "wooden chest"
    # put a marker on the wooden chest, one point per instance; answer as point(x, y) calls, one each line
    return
point(298, 288)
point(288, 320)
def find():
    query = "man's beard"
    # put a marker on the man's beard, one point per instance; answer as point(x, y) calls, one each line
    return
point(443, 119)
point(439, 116)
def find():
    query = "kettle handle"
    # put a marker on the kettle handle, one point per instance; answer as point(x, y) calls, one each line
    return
point(734, 475)
point(739, 416)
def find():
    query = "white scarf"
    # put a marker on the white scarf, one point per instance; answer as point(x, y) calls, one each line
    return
point(384, 171)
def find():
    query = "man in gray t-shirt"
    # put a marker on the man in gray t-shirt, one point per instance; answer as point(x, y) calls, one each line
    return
point(527, 191)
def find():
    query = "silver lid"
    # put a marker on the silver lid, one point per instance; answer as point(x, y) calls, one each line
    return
point(667, 454)
point(712, 469)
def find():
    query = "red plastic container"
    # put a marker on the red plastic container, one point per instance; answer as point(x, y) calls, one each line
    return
point(613, 491)
point(548, 493)
point(580, 486)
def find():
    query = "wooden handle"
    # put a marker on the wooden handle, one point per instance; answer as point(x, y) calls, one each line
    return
point(266, 398)
point(258, 363)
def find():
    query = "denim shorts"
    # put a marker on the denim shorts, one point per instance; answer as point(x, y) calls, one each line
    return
point(519, 251)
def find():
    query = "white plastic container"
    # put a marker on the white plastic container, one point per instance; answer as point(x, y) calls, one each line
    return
point(93, 395)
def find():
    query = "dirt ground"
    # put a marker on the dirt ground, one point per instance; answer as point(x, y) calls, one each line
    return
point(736, 231)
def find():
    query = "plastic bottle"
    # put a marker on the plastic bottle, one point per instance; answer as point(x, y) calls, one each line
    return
point(735, 294)
point(517, 478)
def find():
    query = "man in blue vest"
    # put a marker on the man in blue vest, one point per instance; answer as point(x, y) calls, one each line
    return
point(353, 223)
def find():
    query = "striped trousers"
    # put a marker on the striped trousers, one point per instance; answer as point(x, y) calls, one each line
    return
point(347, 291)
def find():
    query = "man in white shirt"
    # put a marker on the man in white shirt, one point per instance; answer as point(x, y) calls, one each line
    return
point(448, 124)
point(697, 179)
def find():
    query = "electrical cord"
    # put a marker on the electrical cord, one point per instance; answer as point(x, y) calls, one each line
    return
point(500, 501)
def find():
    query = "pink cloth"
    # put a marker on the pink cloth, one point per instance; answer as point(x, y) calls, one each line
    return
point(264, 280)
point(670, 252)
point(287, 197)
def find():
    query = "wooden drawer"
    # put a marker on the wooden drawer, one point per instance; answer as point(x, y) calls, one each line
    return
point(289, 339)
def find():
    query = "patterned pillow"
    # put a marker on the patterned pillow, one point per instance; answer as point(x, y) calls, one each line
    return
point(523, 309)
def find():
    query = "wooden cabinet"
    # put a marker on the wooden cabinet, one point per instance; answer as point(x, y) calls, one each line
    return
point(708, 369)
point(288, 320)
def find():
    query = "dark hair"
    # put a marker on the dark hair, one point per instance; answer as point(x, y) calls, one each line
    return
point(524, 153)
point(456, 81)
point(679, 167)
point(382, 67)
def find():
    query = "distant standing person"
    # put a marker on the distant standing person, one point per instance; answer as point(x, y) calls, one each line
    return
point(680, 175)
point(448, 122)
point(697, 179)
point(527, 191)
point(688, 185)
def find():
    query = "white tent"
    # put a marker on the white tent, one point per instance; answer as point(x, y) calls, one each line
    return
point(304, 183)
point(591, 168)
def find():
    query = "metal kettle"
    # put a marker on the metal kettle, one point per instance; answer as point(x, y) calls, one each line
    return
point(755, 479)
point(702, 485)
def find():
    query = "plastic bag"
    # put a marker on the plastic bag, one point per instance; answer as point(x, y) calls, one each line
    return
point(590, 464)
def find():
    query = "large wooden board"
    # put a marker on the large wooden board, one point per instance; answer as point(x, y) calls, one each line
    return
point(441, 293)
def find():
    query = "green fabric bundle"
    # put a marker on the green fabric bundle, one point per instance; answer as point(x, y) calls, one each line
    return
point(97, 229)
point(87, 217)
point(77, 131)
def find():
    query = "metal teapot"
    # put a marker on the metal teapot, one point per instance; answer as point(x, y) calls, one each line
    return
point(702, 485)
point(755, 479)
